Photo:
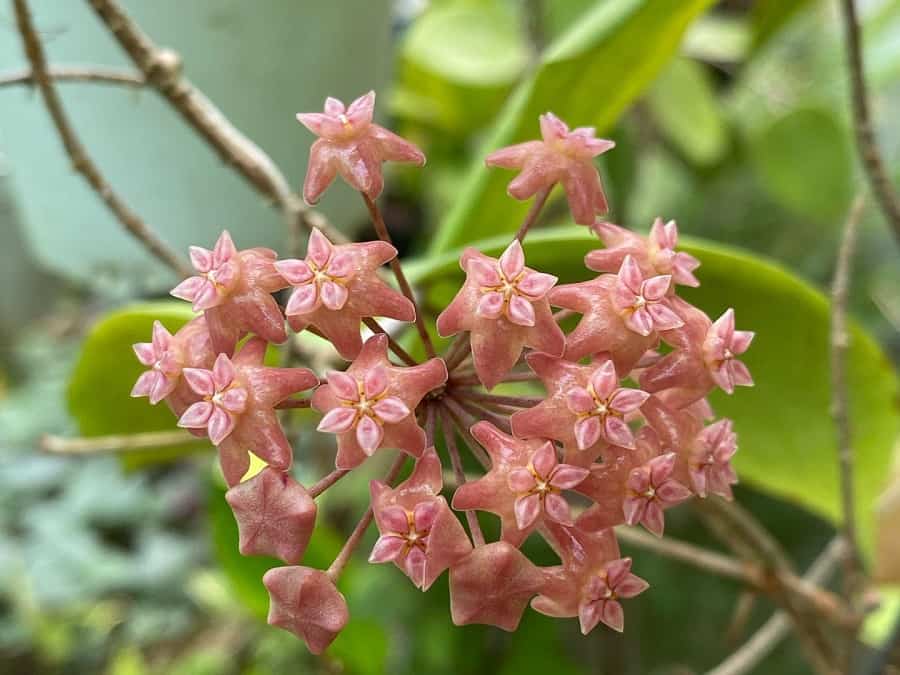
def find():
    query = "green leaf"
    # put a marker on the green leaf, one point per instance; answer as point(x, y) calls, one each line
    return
point(99, 391)
point(685, 108)
point(786, 434)
point(805, 160)
point(588, 77)
point(768, 16)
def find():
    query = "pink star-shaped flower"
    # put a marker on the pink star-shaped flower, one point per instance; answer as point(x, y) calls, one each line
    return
point(234, 290)
point(654, 254)
point(602, 327)
point(371, 405)
point(237, 408)
point(651, 490)
point(705, 356)
point(336, 286)
point(710, 460)
point(600, 600)
point(419, 532)
point(562, 156)
point(352, 145)
point(275, 515)
point(166, 356)
point(492, 585)
point(504, 306)
point(305, 602)
point(642, 302)
point(523, 484)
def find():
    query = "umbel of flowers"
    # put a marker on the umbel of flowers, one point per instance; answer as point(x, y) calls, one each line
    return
point(623, 419)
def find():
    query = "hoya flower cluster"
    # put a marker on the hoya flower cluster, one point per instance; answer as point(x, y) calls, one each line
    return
point(621, 433)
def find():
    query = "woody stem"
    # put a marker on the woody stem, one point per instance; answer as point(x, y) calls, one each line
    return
point(385, 236)
point(401, 353)
point(335, 569)
point(515, 401)
point(539, 200)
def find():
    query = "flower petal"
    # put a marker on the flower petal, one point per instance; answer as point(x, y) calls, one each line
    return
point(334, 296)
point(587, 432)
point(520, 480)
point(200, 380)
point(394, 519)
point(521, 311)
point(201, 258)
point(527, 510)
point(375, 382)
point(196, 416)
point(222, 372)
point(424, 515)
point(627, 400)
point(655, 288)
point(224, 250)
point(234, 400)
point(337, 420)
point(630, 275)
point(343, 385)
point(145, 353)
point(387, 548)
point(490, 306)
point(544, 460)
point(391, 410)
point(640, 321)
point(613, 615)
point(536, 284)
point(369, 434)
point(604, 380)
point(295, 272)
point(617, 432)
point(318, 249)
point(567, 476)
point(189, 288)
point(221, 424)
point(579, 400)
point(512, 261)
point(557, 508)
point(483, 271)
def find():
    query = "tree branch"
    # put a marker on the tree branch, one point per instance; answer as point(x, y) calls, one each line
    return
point(89, 74)
point(162, 70)
point(82, 163)
point(866, 142)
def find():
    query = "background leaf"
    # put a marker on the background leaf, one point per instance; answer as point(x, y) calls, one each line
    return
point(107, 369)
point(786, 435)
point(580, 79)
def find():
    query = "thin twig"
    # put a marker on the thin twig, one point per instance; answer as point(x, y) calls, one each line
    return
point(81, 162)
point(452, 449)
point(326, 482)
point(515, 401)
point(761, 644)
point(336, 567)
point(457, 352)
point(385, 236)
point(395, 347)
point(840, 404)
point(293, 403)
point(866, 143)
point(115, 443)
point(531, 217)
point(76, 74)
point(162, 70)
point(464, 422)
point(480, 413)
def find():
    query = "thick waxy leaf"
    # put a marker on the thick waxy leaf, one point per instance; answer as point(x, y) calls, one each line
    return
point(579, 78)
point(787, 438)
point(106, 371)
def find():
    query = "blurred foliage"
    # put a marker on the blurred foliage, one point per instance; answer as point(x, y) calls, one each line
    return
point(734, 121)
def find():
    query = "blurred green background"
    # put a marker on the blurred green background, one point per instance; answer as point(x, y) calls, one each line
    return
point(731, 117)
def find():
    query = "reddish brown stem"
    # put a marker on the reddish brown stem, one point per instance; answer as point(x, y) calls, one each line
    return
point(385, 236)
point(515, 401)
point(456, 461)
point(326, 482)
point(401, 353)
point(531, 217)
point(291, 403)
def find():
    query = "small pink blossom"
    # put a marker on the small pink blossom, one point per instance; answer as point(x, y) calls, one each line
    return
point(651, 490)
point(234, 290)
point(642, 302)
point(306, 603)
point(601, 408)
point(275, 515)
point(237, 408)
point(600, 602)
point(419, 532)
point(723, 343)
point(710, 460)
point(654, 254)
point(562, 156)
point(352, 145)
point(492, 585)
point(504, 306)
point(369, 406)
point(335, 287)
point(538, 487)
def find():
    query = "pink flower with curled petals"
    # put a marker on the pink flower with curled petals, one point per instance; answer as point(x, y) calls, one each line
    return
point(503, 304)
point(562, 156)
point(306, 603)
point(642, 302)
point(237, 408)
point(723, 343)
point(234, 291)
point(369, 406)
point(275, 515)
point(352, 145)
point(602, 327)
point(419, 532)
point(655, 254)
point(335, 287)
point(492, 585)
point(601, 408)
point(538, 487)
point(600, 602)
point(710, 460)
point(651, 489)
point(516, 496)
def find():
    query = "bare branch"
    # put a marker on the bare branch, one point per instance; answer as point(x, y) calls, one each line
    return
point(76, 74)
point(866, 142)
point(116, 443)
point(162, 69)
point(82, 163)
